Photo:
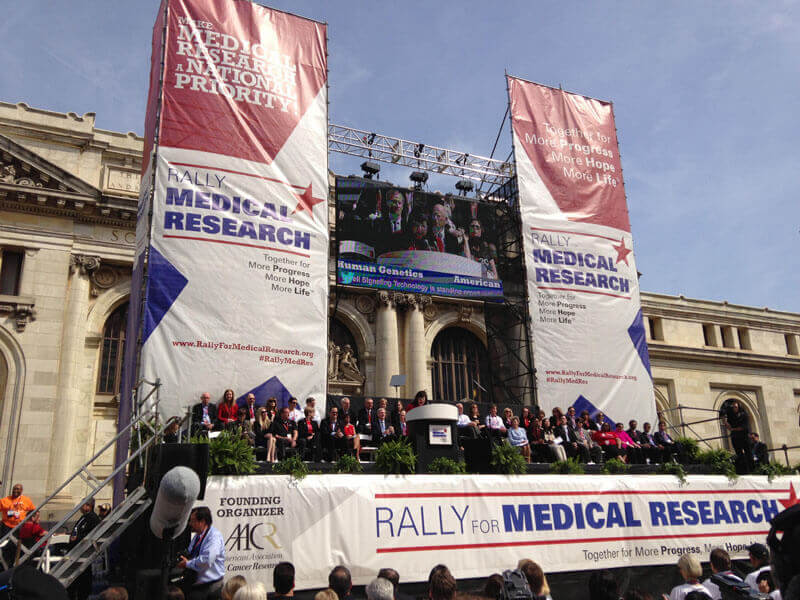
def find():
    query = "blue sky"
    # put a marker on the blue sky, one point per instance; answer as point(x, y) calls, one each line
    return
point(705, 96)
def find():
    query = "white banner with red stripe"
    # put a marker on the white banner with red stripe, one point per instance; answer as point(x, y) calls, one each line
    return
point(478, 525)
point(588, 333)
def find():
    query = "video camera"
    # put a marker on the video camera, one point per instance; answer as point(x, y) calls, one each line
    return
point(515, 586)
point(732, 588)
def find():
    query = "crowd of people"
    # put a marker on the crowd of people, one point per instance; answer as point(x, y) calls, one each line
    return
point(525, 582)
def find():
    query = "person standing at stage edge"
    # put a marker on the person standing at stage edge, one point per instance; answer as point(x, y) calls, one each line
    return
point(82, 587)
point(206, 557)
point(738, 426)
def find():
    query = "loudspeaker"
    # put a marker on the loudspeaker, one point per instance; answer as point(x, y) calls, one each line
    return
point(167, 456)
point(477, 454)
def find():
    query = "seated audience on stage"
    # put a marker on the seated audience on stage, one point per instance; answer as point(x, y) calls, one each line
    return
point(227, 412)
point(569, 440)
point(344, 409)
point(441, 584)
point(402, 427)
point(475, 418)
point(759, 450)
point(382, 429)
point(494, 424)
point(380, 589)
point(364, 421)
point(231, 586)
point(572, 419)
point(295, 414)
point(284, 434)
point(351, 438)
point(650, 447)
point(632, 432)
point(331, 435)
point(508, 414)
point(555, 419)
point(204, 415)
point(250, 407)
point(312, 404)
point(584, 436)
point(308, 438)
point(339, 581)
point(538, 446)
point(557, 451)
point(525, 417)
point(394, 417)
point(261, 426)
point(690, 569)
point(283, 580)
point(519, 439)
point(537, 580)
point(633, 453)
point(465, 426)
point(671, 447)
point(598, 420)
point(245, 427)
point(720, 562)
point(420, 399)
point(608, 442)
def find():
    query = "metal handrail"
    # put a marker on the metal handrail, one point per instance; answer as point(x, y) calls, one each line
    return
point(82, 469)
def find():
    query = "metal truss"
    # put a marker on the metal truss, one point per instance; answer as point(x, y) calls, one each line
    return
point(383, 148)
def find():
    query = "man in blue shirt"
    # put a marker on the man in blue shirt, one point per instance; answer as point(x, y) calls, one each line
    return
point(206, 556)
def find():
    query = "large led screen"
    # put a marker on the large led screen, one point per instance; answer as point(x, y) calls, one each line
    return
point(403, 240)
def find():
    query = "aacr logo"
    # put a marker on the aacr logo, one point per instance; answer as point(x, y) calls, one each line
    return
point(246, 537)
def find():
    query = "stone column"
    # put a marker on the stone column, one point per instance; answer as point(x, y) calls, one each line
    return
point(63, 451)
point(415, 354)
point(387, 357)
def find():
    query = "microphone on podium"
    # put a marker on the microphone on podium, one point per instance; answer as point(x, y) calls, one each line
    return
point(177, 492)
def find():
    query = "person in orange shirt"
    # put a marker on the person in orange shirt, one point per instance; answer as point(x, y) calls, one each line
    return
point(14, 508)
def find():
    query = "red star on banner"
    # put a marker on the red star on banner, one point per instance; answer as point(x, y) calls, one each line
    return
point(306, 201)
point(792, 498)
point(622, 251)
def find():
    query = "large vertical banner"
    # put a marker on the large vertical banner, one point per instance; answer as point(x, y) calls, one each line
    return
point(589, 338)
point(236, 279)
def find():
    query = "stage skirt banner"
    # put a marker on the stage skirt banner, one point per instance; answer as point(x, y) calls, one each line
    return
point(588, 333)
point(236, 294)
point(478, 525)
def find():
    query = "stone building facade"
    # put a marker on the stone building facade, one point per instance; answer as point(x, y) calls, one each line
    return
point(68, 196)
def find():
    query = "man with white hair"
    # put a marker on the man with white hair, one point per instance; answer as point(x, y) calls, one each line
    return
point(380, 589)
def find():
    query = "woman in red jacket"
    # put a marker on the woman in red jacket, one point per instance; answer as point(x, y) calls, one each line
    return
point(227, 411)
point(609, 442)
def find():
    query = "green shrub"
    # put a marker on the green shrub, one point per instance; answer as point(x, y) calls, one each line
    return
point(671, 468)
point(447, 466)
point(293, 465)
point(690, 447)
point(567, 467)
point(229, 454)
point(615, 465)
point(720, 460)
point(507, 460)
point(773, 470)
point(395, 458)
point(348, 463)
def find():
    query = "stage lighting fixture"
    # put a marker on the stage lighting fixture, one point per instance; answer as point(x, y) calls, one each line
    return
point(370, 169)
point(464, 186)
point(419, 178)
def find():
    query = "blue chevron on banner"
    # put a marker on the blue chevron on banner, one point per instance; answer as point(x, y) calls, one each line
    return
point(638, 337)
point(164, 284)
point(272, 387)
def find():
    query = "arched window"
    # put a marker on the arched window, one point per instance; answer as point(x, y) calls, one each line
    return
point(459, 363)
point(108, 379)
point(723, 410)
point(341, 336)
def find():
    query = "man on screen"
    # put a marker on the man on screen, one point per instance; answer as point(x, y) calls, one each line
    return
point(482, 251)
point(390, 227)
point(444, 235)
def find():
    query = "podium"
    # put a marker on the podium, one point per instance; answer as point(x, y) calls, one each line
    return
point(433, 433)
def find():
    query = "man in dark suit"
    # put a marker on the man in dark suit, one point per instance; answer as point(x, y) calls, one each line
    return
point(390, 227)
point(284, 432)
point(758, 450)
point(364, 420)
point(308, 440)
point(382, 430)
point(331, 435)
point(650, 447)
point(569, 440)
point(669, 445)
point(444, 236)
point(346, 410)
point(204, 415)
